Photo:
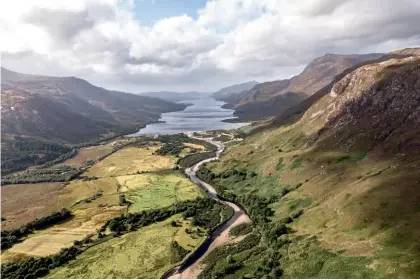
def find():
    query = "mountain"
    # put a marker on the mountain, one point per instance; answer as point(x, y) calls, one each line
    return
point(339, 174)
point(68, 110)
point(174, 96)
point(276, 96)
point(226, 92)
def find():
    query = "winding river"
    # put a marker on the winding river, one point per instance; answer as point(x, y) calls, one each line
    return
point(192, 266)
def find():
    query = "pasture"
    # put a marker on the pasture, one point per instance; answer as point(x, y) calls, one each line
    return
point(141, 254)
point(22, 203)
point(89, 153)
point(156, 190)
point(131, 160)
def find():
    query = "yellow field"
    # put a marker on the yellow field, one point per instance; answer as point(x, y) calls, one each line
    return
point(156, 190)
point(51, 240)
point(23, 203)
point(141, 254)
point(95, 201)
point(89, 153)
point(78, 190)
point(190, 147)
point(131, 160)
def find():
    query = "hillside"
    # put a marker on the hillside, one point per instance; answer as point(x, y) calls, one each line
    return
point(342, 177)
point(68, 110)
point(226, 91)
point(276, 96)
point(173, 96)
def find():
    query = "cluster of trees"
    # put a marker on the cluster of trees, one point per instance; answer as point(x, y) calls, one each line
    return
point(222, 138)
point(205, 212)
point(238, 174)
point(37, 267)
point(60, 159)
point(172, 144)
point(178, 252)
point(220, 263)
point(8, 238)
point(190, 160)
point(241, 229)
point(26, 152)
point(209, 146)
point(62, 173)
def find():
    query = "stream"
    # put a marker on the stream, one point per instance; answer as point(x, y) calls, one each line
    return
point(191, 267)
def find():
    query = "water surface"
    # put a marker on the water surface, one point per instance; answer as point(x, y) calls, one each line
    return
point(204, 114)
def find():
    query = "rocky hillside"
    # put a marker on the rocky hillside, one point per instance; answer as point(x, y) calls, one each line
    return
point(343, 176)
point(277, 96)
point(68, 110)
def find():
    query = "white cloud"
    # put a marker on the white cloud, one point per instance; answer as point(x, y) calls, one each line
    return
point(231, 41)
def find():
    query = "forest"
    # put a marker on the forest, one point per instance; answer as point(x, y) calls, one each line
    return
point(25, 152)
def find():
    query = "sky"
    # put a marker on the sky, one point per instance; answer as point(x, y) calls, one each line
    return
point(183, 45)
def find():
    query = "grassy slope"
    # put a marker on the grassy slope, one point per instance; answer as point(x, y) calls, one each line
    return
point(141, 254)
point(353, 204)
point(362, 206)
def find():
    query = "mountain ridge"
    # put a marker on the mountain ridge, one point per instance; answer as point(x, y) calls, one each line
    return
point(277, 96)
point(67, 110)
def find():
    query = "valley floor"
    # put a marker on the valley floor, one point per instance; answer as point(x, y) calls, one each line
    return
point(128, 181)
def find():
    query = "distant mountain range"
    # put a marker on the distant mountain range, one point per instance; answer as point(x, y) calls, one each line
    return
point(235, 89)
point(71, 109)
point(271, 98)
point(68, 110)
point(174, 96)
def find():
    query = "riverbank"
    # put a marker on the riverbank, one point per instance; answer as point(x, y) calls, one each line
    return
point(192, 266)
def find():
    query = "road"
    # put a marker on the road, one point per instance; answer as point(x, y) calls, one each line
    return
point(192, 266)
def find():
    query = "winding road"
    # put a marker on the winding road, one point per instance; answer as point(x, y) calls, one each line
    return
point(192, 266)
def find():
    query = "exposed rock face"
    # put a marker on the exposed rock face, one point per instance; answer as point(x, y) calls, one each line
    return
point(276, 96)
point(375, 106)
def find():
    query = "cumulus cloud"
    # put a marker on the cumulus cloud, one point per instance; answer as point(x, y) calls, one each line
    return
point(230, 41)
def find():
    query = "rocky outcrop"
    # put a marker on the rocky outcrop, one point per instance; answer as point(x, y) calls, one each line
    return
point(272, 98)
point(376, 106)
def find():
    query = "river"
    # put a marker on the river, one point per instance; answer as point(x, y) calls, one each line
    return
point(204, 113)
point(191, 267)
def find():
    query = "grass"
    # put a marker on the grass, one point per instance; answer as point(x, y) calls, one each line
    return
point(297, 163)
point(131, 160)
point(280, 164)
point(141, 254)
point(304, 258)
point(348, 207)
point(89, 153)
point(23, 203)
point(50, 241)
point(156, 190)
point(78, 190)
